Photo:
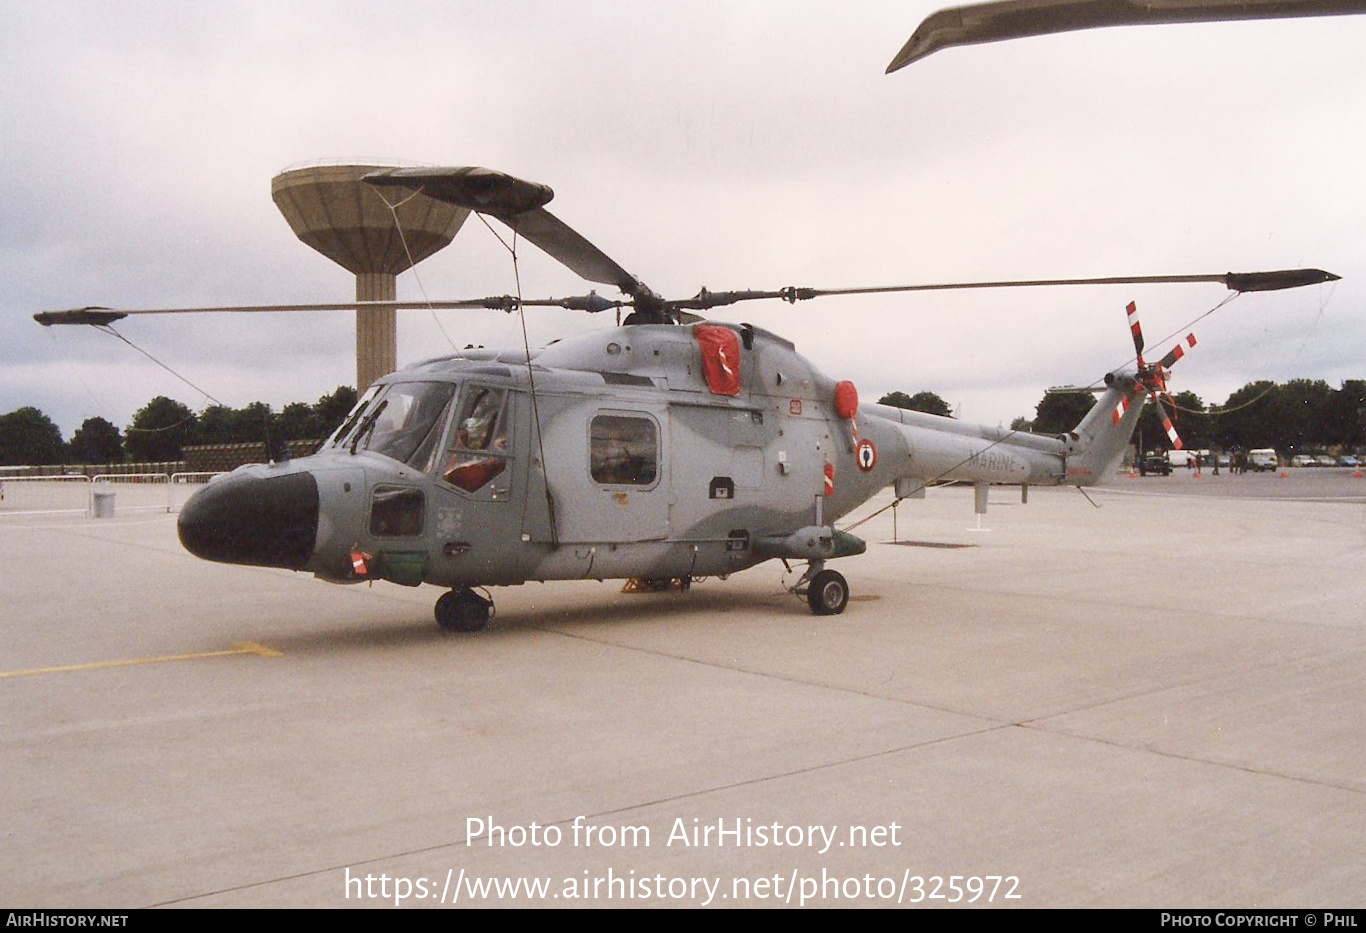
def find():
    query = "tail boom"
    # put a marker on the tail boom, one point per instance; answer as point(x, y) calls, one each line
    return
point(945, 449)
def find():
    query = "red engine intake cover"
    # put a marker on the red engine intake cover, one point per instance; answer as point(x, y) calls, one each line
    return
point(720, 358)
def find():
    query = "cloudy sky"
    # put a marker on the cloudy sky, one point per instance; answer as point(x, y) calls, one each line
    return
point(726, 145)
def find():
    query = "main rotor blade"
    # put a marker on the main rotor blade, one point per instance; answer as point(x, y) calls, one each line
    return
point(1017, 19)
point(468, 186)
point(590, 302)
point(1235, 281)
point(588, 258)
point(569, 248)
point(521, 205)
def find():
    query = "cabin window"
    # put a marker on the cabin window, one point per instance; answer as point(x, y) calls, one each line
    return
point(624, 450)
point(396, 511)
point(479, 447)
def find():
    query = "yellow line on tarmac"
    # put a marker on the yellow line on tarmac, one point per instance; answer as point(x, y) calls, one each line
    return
point(241, 647)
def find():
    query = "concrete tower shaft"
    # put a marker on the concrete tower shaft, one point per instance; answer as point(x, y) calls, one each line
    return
point(332, 210)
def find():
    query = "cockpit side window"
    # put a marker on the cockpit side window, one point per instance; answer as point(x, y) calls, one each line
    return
point(479, 446)
point(481, 423)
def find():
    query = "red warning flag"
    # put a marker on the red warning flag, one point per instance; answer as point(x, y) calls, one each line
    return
point(360, 563)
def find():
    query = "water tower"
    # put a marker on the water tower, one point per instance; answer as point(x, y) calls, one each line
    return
point(349, 222)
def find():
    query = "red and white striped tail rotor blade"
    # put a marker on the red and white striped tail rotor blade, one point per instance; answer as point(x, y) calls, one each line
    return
point(1167, 424)
point(1122, 408)
point(1137, 330)
point(1178, 351)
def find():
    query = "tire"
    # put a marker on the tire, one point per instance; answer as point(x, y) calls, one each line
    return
point(462, 611)
point(828, 593)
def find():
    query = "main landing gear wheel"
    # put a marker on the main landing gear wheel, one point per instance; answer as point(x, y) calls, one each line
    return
point(828, 593)
point(462, 610)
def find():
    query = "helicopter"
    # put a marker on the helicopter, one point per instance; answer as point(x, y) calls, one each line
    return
point(667, 448)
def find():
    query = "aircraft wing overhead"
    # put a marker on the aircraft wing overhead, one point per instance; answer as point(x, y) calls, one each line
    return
point(1017, 19)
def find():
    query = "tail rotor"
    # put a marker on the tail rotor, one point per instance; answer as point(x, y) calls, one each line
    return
point(1152, 377)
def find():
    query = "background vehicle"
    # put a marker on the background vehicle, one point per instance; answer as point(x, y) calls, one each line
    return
point(1154, 462)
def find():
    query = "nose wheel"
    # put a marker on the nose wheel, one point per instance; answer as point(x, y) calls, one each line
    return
point(463, 610)
point(826, 591)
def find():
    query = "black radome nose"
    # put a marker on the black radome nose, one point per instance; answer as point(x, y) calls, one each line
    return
point(244, 519)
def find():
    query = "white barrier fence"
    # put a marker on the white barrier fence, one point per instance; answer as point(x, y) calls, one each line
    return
point(183, 485)
point(76, 493)
point(141, 491)
point(29, 495)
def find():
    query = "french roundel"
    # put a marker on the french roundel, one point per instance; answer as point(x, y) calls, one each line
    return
point(866, 455)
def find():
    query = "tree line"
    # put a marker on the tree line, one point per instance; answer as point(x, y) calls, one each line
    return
point(163, 427)
point(1299, 415)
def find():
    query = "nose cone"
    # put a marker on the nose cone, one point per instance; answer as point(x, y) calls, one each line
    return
point(269, 521)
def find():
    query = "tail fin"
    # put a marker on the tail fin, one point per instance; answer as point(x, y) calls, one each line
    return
point(1096, 445)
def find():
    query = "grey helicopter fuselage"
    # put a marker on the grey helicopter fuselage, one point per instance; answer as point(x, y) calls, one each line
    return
point(637, 455)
